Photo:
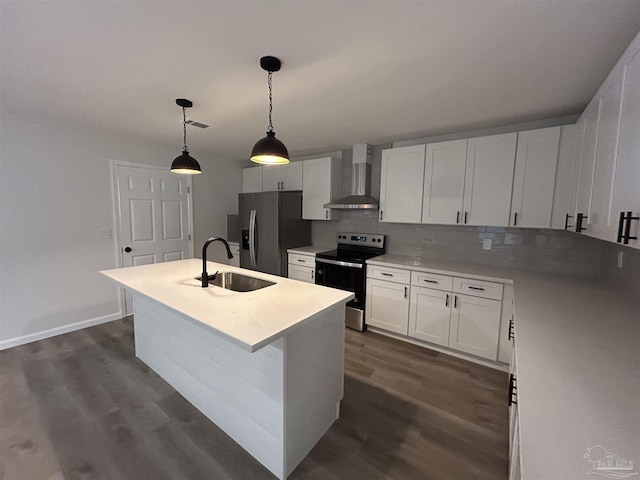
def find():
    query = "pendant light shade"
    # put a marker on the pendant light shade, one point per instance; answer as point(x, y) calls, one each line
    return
point(185, 163)
point(269, 150)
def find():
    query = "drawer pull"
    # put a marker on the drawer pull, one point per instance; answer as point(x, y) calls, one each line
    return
point(431, 281)
point(446, 301)
point(301, 260)
point(405, 292)
point(455, 301)
point(386, 274)
point(513, 390)
point(471, 287)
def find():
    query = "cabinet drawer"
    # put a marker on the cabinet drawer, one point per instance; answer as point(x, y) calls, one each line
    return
point(432, 280)
point(389, 274)
point(304, 274)
point(305, 260)
point(478, 288)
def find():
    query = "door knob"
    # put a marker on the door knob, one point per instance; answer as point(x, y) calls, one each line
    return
point(127, 249)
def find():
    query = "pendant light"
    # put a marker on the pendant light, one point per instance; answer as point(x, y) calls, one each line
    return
point(269, 150)
point(185, 163)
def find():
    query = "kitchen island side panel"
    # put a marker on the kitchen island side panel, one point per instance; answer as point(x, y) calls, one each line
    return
point(241, 392)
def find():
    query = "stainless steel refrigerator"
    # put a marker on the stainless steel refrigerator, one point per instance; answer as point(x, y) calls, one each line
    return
point(271, 222)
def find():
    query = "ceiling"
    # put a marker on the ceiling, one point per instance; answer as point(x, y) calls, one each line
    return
point(353, 71)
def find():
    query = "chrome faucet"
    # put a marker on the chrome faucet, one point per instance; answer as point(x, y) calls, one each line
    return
point(205, 277)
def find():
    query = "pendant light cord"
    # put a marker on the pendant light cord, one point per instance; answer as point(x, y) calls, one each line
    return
point(270, 101)
point(184, 128)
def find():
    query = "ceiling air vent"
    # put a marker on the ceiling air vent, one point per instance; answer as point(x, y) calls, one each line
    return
point(197, 124)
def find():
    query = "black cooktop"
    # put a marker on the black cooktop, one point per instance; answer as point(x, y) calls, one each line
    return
point(348, 255)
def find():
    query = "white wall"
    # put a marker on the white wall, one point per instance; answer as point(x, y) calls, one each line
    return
point(55, 192)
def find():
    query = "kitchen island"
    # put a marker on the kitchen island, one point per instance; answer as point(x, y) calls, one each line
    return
point(266, 366)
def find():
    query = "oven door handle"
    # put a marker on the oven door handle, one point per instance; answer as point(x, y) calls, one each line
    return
point(339, 263)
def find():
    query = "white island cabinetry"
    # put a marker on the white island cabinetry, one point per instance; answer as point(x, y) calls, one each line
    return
point(266, 366)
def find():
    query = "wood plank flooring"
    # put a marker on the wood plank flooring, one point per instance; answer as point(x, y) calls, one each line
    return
point(81, 406)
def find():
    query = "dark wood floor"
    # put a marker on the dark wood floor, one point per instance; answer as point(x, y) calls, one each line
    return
point(81, 406)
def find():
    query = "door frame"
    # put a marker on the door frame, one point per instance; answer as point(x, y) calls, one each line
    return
point(117, 220)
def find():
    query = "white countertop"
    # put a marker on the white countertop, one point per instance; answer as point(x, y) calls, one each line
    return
point(249, 319)
point(309, 250)
point(578, 366)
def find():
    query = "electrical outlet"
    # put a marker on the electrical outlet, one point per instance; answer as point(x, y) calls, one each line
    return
point(486, 244)
point(619, 262)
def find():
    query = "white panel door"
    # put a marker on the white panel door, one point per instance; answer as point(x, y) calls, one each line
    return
point(587, 161)
point(401, 184)
point(291, 176)
point(565, 193)
point(626, 192)
point(601, 220)
point(319, 187)
point(271, 177)
point(153, 207)
point(387, 305)
point(489, 179)
point(535, 177)
point(475, 325)
point(430, 315)
point(304, 274)
point(444, 182)
point(251, 179)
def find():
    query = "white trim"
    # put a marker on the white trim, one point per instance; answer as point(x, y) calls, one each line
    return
point(52, 332)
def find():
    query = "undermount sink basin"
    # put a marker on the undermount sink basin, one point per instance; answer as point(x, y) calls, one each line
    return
point(237, 282)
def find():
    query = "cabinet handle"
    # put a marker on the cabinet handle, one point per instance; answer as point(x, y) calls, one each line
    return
point(621, 226)
point(455, 301)
point(465, 217)
point(326, 214)
point(515, 219)
point(457, 217)
point(312, 274)
point(511, 336)
point(431, 281)
point(566, 221)
point(446, 300)
point(513, 390)
point(471, 287)
point(386, 274)
point(380, 215)
point(303, 261)
point(579, 227)
point(627, 231)
point(405, 292)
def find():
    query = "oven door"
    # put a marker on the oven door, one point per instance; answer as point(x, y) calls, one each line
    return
point(348, 276)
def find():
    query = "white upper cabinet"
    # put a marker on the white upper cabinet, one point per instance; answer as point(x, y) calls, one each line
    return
point(489, 179)
point(626, 191)
point(252, 179)
point(565, 195)
point(535, 177)
point(401, 184)
point(321, 184)
point(444, 182)
point(282, 177)
point(589, 121)
point(600, 215)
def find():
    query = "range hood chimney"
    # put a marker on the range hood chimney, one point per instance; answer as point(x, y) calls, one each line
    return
point(360, 198)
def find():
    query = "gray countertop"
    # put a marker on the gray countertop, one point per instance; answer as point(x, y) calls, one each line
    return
point(578, 366)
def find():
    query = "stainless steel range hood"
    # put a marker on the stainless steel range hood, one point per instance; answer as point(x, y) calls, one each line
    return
point(360, 198)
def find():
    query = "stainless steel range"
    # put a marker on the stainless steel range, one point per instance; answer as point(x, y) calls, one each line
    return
point(345, 268)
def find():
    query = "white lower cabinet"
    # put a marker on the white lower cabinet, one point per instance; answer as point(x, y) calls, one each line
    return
point(475, 325)
point(302, 267)
point(387, 305)
point(458, 313)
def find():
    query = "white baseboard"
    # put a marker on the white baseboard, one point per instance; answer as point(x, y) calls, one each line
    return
point(34, 337)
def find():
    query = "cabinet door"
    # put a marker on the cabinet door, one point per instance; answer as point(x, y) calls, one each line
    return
point(291, 176)
point(489, 179)
point(626, 192)
point(534, 177)
point(475, 325)
point(602, 223)
point(318, 187)
point(251, 179)
point(304, 274)
point(271, 178)
point(505, 342)
point(565, 194)
point(387, 305)
point(444, 182)
point(401, 184)
point(589, 119)
point(430, 315)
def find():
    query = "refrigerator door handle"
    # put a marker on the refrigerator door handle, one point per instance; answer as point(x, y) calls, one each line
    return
point(252, 238)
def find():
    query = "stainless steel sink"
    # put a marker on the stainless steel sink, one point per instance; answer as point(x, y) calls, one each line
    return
point(237, 282)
